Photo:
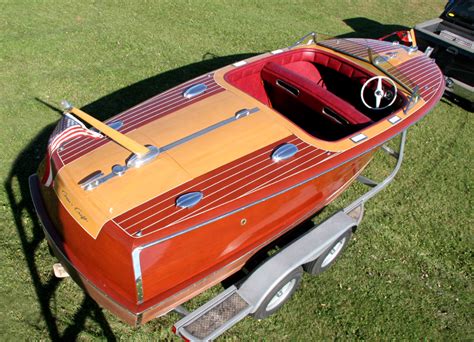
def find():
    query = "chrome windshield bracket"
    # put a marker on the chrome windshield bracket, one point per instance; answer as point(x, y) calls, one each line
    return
point(412, 99)
point(313, 36)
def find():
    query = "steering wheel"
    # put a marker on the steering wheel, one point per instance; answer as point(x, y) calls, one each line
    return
point(380, 93)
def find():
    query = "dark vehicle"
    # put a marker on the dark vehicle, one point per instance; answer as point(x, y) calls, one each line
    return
point(451, 36)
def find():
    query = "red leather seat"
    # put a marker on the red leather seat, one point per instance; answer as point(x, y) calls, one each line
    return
point(286, 83)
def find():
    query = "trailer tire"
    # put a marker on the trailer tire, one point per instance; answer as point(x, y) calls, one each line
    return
point(329, 256)
point(279, 294)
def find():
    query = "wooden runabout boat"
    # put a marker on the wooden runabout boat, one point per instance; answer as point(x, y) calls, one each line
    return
point(175, 194)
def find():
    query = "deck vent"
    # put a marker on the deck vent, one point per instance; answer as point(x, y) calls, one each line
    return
point(284, 152)
point(189, 200)
point(195, 90)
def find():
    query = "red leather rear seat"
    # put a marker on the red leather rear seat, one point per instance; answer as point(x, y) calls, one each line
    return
point(310, 93)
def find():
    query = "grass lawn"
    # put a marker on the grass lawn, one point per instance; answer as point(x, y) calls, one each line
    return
point(407, 274)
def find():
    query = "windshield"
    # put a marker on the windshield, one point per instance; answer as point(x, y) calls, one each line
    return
point(377, 53)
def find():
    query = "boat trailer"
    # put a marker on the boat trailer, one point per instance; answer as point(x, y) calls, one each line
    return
point(270, 285)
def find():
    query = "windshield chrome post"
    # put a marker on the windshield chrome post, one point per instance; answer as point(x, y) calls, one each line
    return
point(412, 99)
point(371, 55)
point(313, 36)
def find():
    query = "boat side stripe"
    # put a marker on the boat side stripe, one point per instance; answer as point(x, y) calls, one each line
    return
point(129, 114)
point(243, 192)
point(256, 160)
point(423, 72)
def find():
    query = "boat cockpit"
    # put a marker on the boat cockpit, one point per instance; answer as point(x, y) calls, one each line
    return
point(324, 94)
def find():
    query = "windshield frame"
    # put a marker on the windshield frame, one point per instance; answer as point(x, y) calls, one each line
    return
point(381, 62)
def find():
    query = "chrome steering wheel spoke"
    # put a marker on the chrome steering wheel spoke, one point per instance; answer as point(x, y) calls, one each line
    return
point(379, 92)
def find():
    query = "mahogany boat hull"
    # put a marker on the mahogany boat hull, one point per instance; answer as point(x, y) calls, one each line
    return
point(137, 252)
point(219, 248)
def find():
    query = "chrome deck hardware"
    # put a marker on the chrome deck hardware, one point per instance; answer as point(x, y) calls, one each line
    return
point(90, 181)
point(194, 90)
point(189, 200)
point(136, 161)
point(412, 99)
point(97, 178)
point(284, 152)
point(313, 38)
point(242, 113)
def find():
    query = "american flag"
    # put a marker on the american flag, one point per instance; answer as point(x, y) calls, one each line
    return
point(67, 128)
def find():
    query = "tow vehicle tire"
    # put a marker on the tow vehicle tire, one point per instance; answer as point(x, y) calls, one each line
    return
point(280, 294)
point(329, 256)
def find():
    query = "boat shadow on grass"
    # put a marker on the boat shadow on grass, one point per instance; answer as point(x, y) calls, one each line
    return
point(368, 28)
point(29, 230)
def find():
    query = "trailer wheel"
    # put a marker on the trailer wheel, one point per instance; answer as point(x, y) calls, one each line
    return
point(280, 294)
point(329, 256)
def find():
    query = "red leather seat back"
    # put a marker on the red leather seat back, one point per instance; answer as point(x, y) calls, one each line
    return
point(284, 82)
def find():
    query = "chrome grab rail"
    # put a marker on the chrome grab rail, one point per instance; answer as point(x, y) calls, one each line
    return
point(412, 99)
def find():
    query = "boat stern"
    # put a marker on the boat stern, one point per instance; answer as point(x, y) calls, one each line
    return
point(102, 266)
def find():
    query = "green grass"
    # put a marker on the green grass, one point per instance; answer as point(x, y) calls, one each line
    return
point(407, 273)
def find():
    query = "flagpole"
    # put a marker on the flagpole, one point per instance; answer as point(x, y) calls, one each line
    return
point(119, 138)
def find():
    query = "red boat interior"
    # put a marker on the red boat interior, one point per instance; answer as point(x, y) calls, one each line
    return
point(316, 90)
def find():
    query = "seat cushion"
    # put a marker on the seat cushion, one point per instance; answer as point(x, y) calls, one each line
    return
point(309, 93)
